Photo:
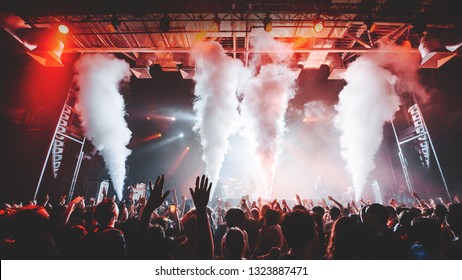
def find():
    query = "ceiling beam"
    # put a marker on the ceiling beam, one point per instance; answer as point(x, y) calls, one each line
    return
point(188, 50)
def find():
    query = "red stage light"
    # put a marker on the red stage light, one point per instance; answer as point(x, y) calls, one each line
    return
point(63, 29)
point(177, 163)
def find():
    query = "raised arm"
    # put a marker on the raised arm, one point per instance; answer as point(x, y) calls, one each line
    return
point(353, 207)
point(70, 208)
point(335, 202)
point(220, 212)
point(45, 202)
point(200, 196)
point(176, 214)
point(286, 207)
point(416, 196)
point(156, 198)
point(183, 206)
point(299, 201)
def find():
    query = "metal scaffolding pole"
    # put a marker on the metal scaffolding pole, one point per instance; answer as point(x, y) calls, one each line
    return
point(76, 172)
point(434, 153)
point(407, 176)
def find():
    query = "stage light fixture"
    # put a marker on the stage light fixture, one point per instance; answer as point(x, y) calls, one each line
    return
point(318, 25)
point(49, 45)
point(216, 22)
point(370, 25)
point(164, 24)
point(63, 29)
point(173, 119)
point(181, 135)
point(267, 24)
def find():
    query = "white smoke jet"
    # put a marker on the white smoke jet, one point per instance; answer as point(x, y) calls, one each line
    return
point(101, 109)
point(404, 64)
point(365, 104)
point(315, 111)
point(217, 79)
point(263, 109)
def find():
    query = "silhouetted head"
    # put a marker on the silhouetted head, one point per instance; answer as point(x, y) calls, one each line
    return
point(341, 242)
point(440, 212)
point(298, 229)
point(345, 212)
point(235, 217)
point(334, 213)
point(263, 210)
point(405, 218)
point(272, 217)
point(299, 207)
point(319, 210)
point(234, 240)
point(375, 215)
point(106, 213)
point(30, 219)
point(255, 213)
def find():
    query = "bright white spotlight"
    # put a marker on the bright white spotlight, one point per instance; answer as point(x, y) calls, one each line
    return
point(173, 119)
point(181, 135)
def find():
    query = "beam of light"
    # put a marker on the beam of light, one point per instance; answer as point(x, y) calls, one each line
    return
point(160, 117)
point(177, 162)
point(137, 142)
point(157, 144)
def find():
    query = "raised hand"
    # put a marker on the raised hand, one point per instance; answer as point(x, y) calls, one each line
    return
point(156, 198)
point(75, 201)
point(142, 201)
point(201, 192)
point(330, 198)
point(456, 199)
point(310, 203)
point(62, 200)
point(299, 201)
point(393, 202)
point(353, 203)
point(219, 203)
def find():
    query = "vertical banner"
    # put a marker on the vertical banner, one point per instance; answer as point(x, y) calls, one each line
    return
point(68, 128)
point(420, 130)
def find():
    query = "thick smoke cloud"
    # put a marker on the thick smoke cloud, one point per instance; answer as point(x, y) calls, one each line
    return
point(101, 108)
point(266, 98)
point(366, 103)
point(217, 78)
point(404, 64)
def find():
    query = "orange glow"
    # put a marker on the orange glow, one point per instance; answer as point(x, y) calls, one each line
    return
point(152, 137)
point(160, 117)
point(177, 162)
point(145, 139)
point(63, 29)
point(407, 44)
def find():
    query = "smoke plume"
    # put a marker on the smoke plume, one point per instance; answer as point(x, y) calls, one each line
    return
point(266, 98)
point(404, 64)
point(217, 80)
point(365, 104)
point(101, 108)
